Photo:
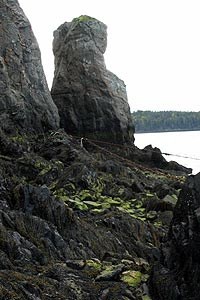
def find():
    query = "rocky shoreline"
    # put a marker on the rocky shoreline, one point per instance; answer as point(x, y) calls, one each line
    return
point(84, 213)
point(76, 220)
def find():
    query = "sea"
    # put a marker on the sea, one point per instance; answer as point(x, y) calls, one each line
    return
point(182, 146)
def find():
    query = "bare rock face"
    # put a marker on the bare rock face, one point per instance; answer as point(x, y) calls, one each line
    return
point(91, 100)
point(25, 101)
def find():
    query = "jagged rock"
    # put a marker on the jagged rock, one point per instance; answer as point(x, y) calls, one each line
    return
point(111, 273)
point(153, 157)
point(177, 275)
point(92, 101)
point(76, 264)
point(25, 101)
point(38, 201)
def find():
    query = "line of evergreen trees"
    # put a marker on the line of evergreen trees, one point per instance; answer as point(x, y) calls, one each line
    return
point(155, 121)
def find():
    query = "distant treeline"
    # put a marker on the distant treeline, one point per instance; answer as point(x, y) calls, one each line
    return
point(155, 121)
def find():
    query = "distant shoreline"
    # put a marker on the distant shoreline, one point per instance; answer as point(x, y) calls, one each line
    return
point(164, 131)
point(165, 121)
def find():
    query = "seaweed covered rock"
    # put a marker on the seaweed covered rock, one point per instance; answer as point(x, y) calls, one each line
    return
point(92, 101)
point(177, 276)
point(70, 226)
point(25, 101)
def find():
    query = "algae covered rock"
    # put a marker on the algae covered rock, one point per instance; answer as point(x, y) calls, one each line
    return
point(25, 101)
point(92, 101)
point(66, 225)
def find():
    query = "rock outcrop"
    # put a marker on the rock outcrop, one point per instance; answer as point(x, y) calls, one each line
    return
point(153, 158)
point(177, 276)
point(25, 101)
point(91, 100)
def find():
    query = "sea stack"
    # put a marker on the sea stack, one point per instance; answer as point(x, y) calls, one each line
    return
point(91, 100)
point(25, 101)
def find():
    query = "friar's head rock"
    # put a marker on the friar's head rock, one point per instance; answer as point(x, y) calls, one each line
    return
point(25, 101)
point(91, 100)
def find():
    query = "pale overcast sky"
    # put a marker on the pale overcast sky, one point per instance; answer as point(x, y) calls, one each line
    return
point(153, 45)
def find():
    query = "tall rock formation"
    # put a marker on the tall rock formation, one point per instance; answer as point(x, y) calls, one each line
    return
point(25, 101)
point(91, 100)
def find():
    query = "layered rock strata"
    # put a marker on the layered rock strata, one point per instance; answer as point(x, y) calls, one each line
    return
point(25, 101)
point(92, 101)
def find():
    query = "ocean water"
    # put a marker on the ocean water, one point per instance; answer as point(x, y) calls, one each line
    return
point(183, 145)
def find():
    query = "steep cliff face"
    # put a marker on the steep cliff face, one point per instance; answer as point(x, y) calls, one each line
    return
point(25, 101)
point(91, 100)
point(177, 277)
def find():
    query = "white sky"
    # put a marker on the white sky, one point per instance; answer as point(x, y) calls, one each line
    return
point(153, 45)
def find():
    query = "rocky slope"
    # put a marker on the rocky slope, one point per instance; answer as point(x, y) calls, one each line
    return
point(80, 219)
point(92, 101)
point(25, 101)
point(77, 223)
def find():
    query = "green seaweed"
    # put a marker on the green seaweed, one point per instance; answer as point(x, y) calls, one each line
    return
point(132, 278)
point(86, 195)
point(45, 170)
point(95, 264)
point(83, 18)
point(92, 204)
point(146, 297)
point(18, 139)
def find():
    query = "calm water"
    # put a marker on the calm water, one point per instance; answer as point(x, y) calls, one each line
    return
point(184, 143)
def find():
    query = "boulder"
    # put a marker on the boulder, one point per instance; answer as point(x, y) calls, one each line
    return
point(153, 157)
point(25, 101)
point(91, 100)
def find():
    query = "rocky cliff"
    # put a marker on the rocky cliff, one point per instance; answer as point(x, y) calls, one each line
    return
point(25, 101)
point(79, 221)
point(92, 101)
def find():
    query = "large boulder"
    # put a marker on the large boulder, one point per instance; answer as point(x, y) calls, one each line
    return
point(91, 100)
point(25, 101)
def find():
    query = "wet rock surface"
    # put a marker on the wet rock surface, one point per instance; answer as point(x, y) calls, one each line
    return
point(25, 101)
point(92, 101)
